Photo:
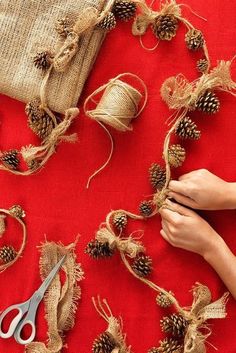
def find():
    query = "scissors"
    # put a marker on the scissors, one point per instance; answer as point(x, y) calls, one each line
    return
point(27, 310)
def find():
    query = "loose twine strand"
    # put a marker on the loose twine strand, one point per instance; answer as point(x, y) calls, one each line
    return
point(24, 237)
point(118, 106)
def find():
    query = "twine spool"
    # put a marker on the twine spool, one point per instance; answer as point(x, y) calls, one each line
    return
point(117, 107)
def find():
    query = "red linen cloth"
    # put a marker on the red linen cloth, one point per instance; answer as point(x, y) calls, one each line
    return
point(58, 206)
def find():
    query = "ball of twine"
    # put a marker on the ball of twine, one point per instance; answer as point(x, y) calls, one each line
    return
point(117, 107)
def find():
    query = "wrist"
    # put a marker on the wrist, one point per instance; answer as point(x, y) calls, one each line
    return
point(215, 250)
point(231, 196)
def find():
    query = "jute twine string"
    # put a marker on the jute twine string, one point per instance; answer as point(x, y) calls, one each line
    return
point(201, 310)
point(61, 300)
point(115, 325)
point(23, 243)
point(148, 17)
point(117, 107)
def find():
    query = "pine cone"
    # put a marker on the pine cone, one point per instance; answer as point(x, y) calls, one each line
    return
point(187, 129)
point(163, 301)
point(202, 65)
point(98, 250)
point(10, 159)
point(17, 211)
point(64, 26)
point(174, 324)
point(42, 126)
point(146, 208)
point(124, 9)
point(194, 39)
point(165, 27)
point(168, 345)
point(7, 254)
point(33, 109)
point(142, 265)
point(120, 220)
point(157, 176)
point(176, 155)
point(43, 60)
point(104, 343)
point(208, 103)
point(108, 23)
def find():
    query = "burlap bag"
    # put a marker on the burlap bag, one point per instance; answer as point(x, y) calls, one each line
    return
point(28, 26)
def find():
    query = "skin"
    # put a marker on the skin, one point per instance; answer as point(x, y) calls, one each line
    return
point(183, 228)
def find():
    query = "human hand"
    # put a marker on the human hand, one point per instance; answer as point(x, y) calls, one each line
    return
point(203, 190)
point(185, 229)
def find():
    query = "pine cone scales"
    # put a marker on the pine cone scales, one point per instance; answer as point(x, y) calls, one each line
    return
point(168, 345)
point(202, 65)
point(108, 23)
point(10, 159)
point(187, 129)
point(174, 324)
point(208, 103)
point(163, 301)
point(157, 176)
point(142, 265)
point(146, 208)
point(42, 126)
point(104, 343)
point(7, 254)
point(119, 220)
point(64, 26)
point(165, 27)
point(124, 9)
point(176, 155)
point(97, 250)
point(43, 60)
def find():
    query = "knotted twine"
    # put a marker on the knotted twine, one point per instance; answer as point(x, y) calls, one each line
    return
point(148, 17)
point(24, 236)
point(117, 107)
point(201, 310)
point(114, 326)
point(61, 300)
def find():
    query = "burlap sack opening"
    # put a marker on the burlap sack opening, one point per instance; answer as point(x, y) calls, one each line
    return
point(28, 26)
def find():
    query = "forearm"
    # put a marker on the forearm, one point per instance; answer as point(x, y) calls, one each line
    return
point(224, 263)
point(231, 196)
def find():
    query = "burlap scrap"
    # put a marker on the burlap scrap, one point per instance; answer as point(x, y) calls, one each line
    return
point(27, 27)
point(61, 300)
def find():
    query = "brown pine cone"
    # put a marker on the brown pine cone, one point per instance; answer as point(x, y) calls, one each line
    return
point(202, 65)
point(119, 220)
point(124, 9)
point(176, 155)
point(17, 211)
point(175, 324)
point(165, 27)
point(104, 343)
point(64, 26)
point(43, 60)
point(10, 159)
point(168, 345)
point(163, 301)
point(7, 254)
point(187, 129)
point(98, 250)
point(208, 103)
point(194, 39)
point(108, 23)
point(146, 208)
point(142, 265)
point(157, 176)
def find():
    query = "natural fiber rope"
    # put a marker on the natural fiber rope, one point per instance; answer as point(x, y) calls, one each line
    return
point(118, 106)
point(24, 237)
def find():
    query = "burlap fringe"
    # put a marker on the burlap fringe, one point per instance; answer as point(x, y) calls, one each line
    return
point(118, 106)
point(201, 310)
point(61, 300)
point(115, 326)
point(3, 267)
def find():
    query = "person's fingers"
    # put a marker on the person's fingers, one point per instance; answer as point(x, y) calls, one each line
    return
point(178, 186)
point(165, 226)
point(174, 207)
point(164, 235)
point(184, 200)
point(169, 216)
point(187, 175)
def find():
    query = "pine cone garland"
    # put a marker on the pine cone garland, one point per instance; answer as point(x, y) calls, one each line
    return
point(104, 343)
point(124, 9)
point(17, 211)
point(165, 27)
point(119, 220)
point(98, 250)
point(42, 126)
point(187, 129)
point(146, 208)
point(176, 155)
point(108, 23)
point(208, 103)
point(194, 39)
point(142, 265)
point(202, 65)
point(7, 254)
point(157, 176)
point(175, 324)
point(163, 301)
point(64, 26)
point(10, 159)
point(43, 60)
point(168, 345)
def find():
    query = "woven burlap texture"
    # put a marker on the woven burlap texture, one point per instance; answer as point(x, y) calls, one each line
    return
point(28, 27)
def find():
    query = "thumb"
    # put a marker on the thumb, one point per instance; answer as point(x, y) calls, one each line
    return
point(175, 207)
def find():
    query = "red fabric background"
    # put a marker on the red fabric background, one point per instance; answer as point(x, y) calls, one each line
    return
point(59, 206)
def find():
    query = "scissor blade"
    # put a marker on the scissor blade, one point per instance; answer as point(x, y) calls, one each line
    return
point(46, 283)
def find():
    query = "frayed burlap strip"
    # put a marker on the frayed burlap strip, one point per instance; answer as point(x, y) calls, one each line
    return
point(201, 310)
point(28, 27)
point(114, 326)
point(61, 300)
